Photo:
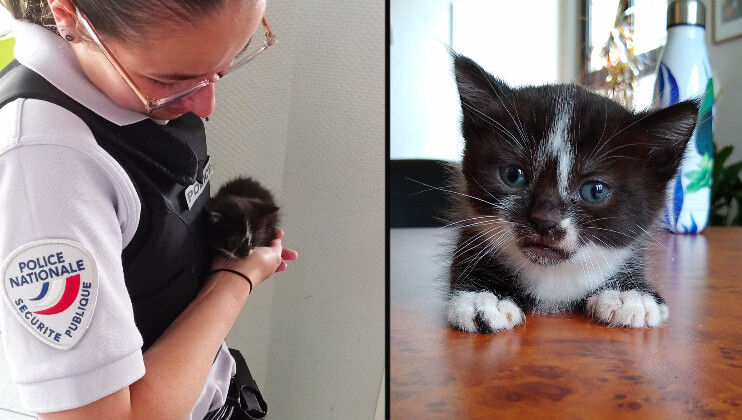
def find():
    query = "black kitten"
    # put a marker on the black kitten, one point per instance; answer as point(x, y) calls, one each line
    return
point(559, 189)
point(243, 216)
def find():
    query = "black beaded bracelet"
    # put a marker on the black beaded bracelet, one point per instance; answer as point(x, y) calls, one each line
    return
point(229, 270)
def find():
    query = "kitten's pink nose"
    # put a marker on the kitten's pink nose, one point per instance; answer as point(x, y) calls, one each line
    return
point(542, 227)
point(544, 215)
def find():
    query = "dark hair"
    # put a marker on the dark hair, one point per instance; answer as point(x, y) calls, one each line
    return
point(34, 11)
point(119, 19)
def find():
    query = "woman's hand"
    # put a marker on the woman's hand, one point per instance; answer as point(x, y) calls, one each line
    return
point(286, 254)
point(194, 336)
point(262, 261)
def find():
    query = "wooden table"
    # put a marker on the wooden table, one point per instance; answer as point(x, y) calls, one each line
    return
point(563, 366)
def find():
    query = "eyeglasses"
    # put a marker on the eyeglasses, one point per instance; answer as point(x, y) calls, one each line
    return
point(251, 50)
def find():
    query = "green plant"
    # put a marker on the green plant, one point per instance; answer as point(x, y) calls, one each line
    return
point(726, 190)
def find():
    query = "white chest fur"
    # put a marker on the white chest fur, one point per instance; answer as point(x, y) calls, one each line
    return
point(557, 287)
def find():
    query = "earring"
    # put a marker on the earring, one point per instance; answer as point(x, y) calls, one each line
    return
point(66, 35)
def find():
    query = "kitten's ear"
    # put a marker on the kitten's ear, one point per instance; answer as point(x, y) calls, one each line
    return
point(669, 130)
point(481, 94)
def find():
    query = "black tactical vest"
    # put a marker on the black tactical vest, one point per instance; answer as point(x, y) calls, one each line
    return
point(168, 258)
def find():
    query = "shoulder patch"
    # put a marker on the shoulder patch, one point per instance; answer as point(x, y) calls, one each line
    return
point(51, 287)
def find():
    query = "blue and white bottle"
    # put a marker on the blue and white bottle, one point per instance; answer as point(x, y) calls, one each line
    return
point(684, 72)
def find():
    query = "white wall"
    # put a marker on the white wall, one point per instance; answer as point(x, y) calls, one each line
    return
point(423, 102)
point(517, 41)
point(726, 59)
point(519, 51)
point(308, 119)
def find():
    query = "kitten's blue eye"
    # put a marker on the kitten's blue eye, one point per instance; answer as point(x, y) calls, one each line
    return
point(513, 176)
point(594, 192)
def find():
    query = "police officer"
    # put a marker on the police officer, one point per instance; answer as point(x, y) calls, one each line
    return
point(113, 305)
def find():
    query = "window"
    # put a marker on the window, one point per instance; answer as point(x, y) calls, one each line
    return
point(649, 27)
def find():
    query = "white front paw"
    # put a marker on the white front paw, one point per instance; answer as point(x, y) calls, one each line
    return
point(627, 309)
point(483, 312)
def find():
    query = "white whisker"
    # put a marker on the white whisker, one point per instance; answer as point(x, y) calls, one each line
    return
point(451, 191)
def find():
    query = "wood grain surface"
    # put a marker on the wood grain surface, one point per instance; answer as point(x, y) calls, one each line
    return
point(564, 366)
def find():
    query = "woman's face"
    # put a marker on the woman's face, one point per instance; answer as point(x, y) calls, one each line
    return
point(172, 58)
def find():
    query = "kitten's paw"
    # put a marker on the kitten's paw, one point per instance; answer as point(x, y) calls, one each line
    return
point(483, 312)
point(627, 309)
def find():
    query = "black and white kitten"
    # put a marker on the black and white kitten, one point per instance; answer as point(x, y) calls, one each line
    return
point(243, 216)
point(559, 189)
